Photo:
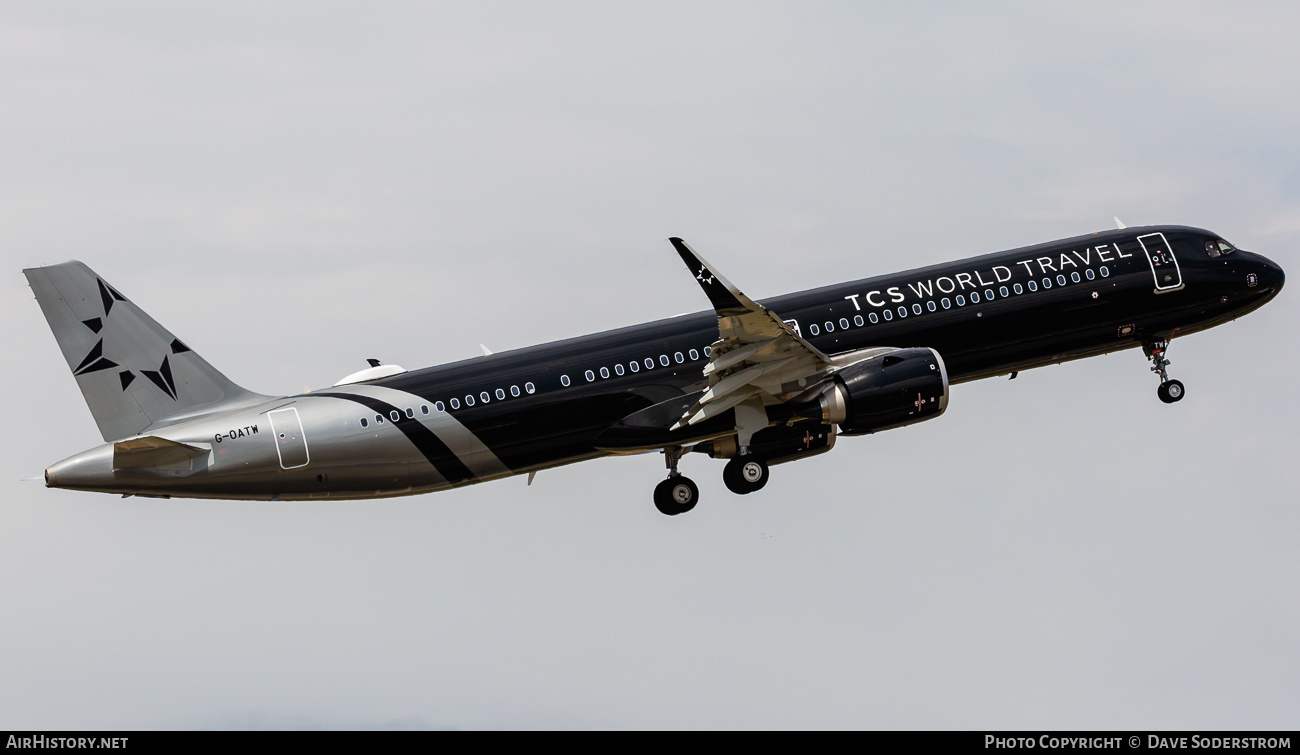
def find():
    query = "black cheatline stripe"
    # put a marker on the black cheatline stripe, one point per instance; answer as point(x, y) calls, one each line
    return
point(439, 455)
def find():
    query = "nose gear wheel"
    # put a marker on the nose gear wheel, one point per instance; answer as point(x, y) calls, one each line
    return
point(1170, 391)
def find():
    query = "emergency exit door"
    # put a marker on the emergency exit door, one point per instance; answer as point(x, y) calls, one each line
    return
point(290, 442)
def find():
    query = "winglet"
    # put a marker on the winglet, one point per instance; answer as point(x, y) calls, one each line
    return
point(1120, 224)
point(725, 297)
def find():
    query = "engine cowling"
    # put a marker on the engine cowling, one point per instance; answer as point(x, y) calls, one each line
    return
point(891, 390)
point(777, 444)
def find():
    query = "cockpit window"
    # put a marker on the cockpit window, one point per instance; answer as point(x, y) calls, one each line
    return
point(1219, 247)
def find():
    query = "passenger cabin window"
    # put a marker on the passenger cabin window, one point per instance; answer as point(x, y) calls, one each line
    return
point(1105, 271)
point(1033, 286)
point(649, 363)
point(889, 315)
point(930, 305)
point(1090, 274)
point(830, 326)
point(679, 357)
point(873, 318)
point(1003, 290)
point(379, 419)
point(484, 397)
point(455, 403)
point(663, 359)
point(364, 423)
point(857, 320)
point(902, 311)
point(988, 294)
point(1060, 279)
point(564, 380)
point(500, 394)
point(708, 351)
point(469, 399)
point(424, 409)
point(604, 372)
point(410, 413)
point(1018, 288)
point(694, 355)
point(589, 375)
point(1074, 277)
point(394, 416)
point(529, 387)
point(438, 406)
point(618, 369)
point(947, 303)
point(814, 329)
point(844, 323)
point(514, 391)
point(634, 366)
point(961, 300)
point(1047, 283)
point(916, 309)
point(974, 297)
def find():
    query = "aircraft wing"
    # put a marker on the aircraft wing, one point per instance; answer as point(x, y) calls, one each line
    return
point(757, 360)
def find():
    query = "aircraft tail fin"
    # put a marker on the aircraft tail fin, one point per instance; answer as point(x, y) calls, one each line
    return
point(134, 374)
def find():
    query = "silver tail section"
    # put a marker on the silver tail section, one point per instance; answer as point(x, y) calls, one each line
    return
point(135, 375)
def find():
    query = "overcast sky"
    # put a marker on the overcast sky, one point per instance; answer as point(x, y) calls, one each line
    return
point(294, 187)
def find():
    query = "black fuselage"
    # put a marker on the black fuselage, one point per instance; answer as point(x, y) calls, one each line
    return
point(1024, 317)
point(562, 402)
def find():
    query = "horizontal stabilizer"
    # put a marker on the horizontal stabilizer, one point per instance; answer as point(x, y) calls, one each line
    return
point(152, 451)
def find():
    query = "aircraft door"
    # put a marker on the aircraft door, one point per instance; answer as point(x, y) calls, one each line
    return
point(1164, 266)
point(290, 441)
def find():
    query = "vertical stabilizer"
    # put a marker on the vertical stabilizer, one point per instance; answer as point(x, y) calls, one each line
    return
point(134, 374)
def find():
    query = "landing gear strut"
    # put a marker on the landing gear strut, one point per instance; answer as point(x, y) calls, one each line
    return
point(745, 474)
point(1170, 390)
point(678, 494)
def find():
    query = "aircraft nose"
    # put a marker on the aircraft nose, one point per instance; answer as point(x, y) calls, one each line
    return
point(1270, 273)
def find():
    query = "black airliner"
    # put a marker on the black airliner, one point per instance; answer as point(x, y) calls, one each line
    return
point(757, 384)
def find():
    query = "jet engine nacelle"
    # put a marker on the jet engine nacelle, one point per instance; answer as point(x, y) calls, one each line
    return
point(777, 444)
point(891, 390)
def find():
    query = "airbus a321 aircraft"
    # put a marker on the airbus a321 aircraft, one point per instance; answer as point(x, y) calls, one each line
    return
point(757, 384)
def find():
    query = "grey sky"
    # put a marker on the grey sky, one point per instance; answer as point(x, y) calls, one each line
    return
point(294, 188)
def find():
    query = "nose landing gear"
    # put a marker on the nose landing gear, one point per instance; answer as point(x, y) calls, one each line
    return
point(1170, 390)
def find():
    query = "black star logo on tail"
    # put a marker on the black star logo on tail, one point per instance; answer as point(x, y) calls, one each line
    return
point(108, 295)
point(162, 378)
point(94, 361)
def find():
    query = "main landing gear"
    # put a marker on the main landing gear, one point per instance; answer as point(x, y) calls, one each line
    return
point(745, 474)
point(1170, 390)
point(678, 494)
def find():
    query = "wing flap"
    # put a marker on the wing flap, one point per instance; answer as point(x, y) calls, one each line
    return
point(757, 360)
